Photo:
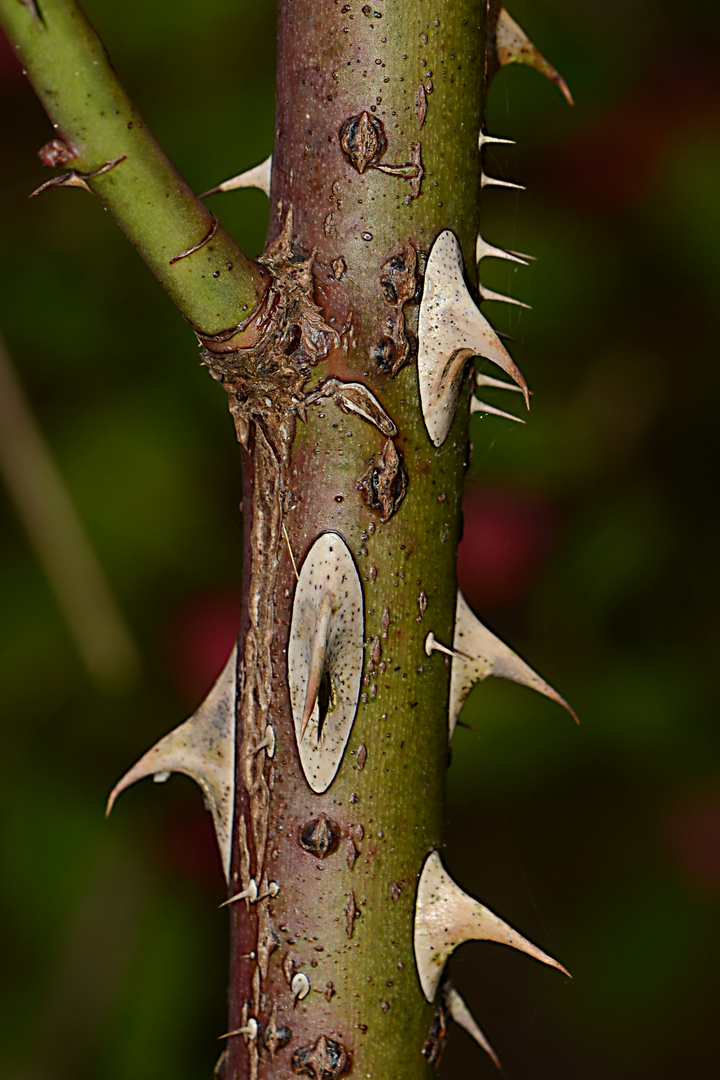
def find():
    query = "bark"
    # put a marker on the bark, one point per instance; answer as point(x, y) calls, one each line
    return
point(346, 356)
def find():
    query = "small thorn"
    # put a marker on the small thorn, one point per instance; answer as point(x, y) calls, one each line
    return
point(483, 250)
point(272, 890)
point(484, 140)
point(258, 177)
point(494, 181)
point(249, 1031)
point(300, 985)
point(268, 742)
point(251, 894)
point(500, 384)
point(462, 1016)
point(433, 645)
point(477, 406)
point(290, 553)
point(489, 294)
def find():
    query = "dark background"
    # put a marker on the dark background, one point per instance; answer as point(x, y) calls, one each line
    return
point(591, 540)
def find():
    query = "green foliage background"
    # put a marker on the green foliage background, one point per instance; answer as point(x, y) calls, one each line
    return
point(591, 536)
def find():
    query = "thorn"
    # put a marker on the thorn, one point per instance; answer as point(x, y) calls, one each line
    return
point(290, 552)
point(257, 177)
point(513, 46)
point(77, 179)
point(490, 657)
point(202, 748)
point(487, 380)
point(493, 181)
point(272, 890)
point(300, 985)
point(249, 1031)
point(451, 329)
point(433, 645)
point(477, 406)
point(483, 250)
point(445, 917)
point(484, 140)
point(251, 894)
point(488, 294)
point(268, 742)
point(462, 1016)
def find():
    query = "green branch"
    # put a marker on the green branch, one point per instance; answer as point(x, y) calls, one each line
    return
point(109, 149)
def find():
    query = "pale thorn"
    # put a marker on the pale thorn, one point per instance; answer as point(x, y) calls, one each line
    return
point(477, 406)
point(300, 985)
point(462, 1016)
point(494, 181)
point(483, 250)
point(513, 46)
point(481, 379)
point(290, 553)
point(251, 894)
point(489, 294)
point(484, 140)
point(161, 777)
point(272, 890)
point(445, 917)
point(268, 742)
point(433, 645)
point(490, 657)
point(317, 663)
point(257, 177)
point(249, 1031)
point(202, 748)
point(451, 329)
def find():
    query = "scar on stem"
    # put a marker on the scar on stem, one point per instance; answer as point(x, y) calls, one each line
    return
point(290, 552)
point(196, 247)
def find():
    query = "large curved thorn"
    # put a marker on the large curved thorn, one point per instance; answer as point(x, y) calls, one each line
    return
point(204, 749)
point(445, 917)
point(491, 657)
point(451, 328)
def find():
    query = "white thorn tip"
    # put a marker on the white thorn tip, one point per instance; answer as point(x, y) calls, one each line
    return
point(250, 1030)
point(490, 294)
point(494, 181)
point(481, 379)
point(484, 140)
point(483, 250)
point(477, 406)
point(462, 1016)
point(250, 893)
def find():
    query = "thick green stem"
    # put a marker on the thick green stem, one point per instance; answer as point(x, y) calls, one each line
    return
point(216, 287)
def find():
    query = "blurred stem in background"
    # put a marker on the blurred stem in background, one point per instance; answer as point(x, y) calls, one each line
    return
point(48, 515)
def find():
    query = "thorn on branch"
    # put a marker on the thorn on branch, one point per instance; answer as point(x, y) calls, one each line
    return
point(75, 178)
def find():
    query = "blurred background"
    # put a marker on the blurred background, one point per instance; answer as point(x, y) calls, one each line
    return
point(590, 544)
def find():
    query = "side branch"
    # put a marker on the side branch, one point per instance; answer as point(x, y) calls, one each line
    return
point(110, 151)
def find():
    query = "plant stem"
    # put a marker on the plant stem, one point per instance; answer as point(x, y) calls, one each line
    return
point(215, 288)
